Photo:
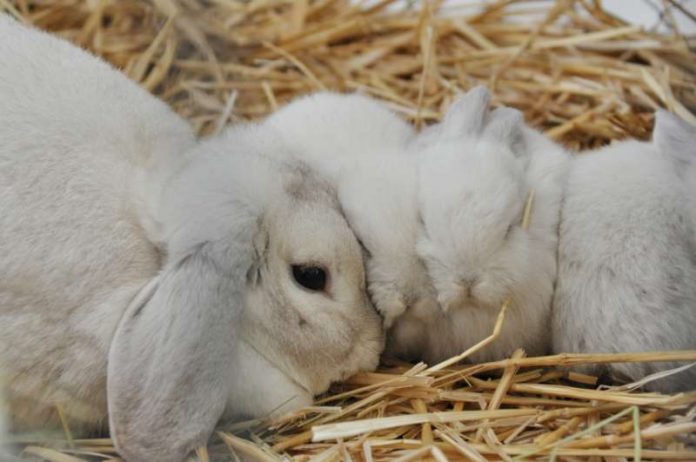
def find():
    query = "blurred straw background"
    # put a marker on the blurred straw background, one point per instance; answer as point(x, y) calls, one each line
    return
point(576, 71)
point(580, 74)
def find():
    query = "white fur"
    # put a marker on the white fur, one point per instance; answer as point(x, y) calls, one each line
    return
point(73, 131)
point(328, 130)
point(475, 175)
point(627, 255)
point(363, 149)
point(4, 427)
point(126, 246)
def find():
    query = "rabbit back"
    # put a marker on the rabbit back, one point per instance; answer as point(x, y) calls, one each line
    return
point(627, 260)
point(74, 133)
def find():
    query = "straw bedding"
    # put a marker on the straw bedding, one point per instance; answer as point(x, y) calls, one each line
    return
point(579, 74)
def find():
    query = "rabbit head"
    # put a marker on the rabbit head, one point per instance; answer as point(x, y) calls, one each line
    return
point(259, 306)
point(327, 130)
point(472, 194)
point(308, 290)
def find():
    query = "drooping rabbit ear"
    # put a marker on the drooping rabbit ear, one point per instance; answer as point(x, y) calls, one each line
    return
point(506, 126)
point(676, 138)
point(467, 115)
point(169, 363)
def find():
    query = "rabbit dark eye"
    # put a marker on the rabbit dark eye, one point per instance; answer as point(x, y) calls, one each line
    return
point(310, 277)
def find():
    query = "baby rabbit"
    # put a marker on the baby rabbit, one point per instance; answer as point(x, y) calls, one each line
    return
point(171, 282)
point(362, 148)
point(627, 255)
point(476, 172)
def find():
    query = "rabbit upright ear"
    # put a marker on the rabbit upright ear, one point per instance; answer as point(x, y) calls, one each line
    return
point(506, 126)
point(675, 138)
point(169, 363)
point(467, 115)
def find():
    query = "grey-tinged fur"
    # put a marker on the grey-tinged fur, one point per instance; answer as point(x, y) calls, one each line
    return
point(75, 135)
point(627, 258)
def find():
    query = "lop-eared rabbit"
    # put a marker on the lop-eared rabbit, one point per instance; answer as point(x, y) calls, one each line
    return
point(171, 282)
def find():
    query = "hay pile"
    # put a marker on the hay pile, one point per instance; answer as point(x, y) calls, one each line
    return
point(579, 74)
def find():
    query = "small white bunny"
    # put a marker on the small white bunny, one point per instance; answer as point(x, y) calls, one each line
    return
point(627, 255)
point(173, 282)
point(476, 172)
point(362, 148)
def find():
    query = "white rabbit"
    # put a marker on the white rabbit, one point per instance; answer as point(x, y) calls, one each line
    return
point(362, 148)
point(476, 172)
point(252, 302)
point(627, 255)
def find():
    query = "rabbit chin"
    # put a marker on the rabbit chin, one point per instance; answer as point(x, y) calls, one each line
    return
point(261, 389)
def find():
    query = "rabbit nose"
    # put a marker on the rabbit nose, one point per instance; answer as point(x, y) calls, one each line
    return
point(467, 286)
point(461, 295)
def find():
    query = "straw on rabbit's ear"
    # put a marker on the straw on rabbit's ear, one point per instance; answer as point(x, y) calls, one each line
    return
point(169, 362)
point(467, 115)
point(260, 243)
point(676, 138)
point(506, 126)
